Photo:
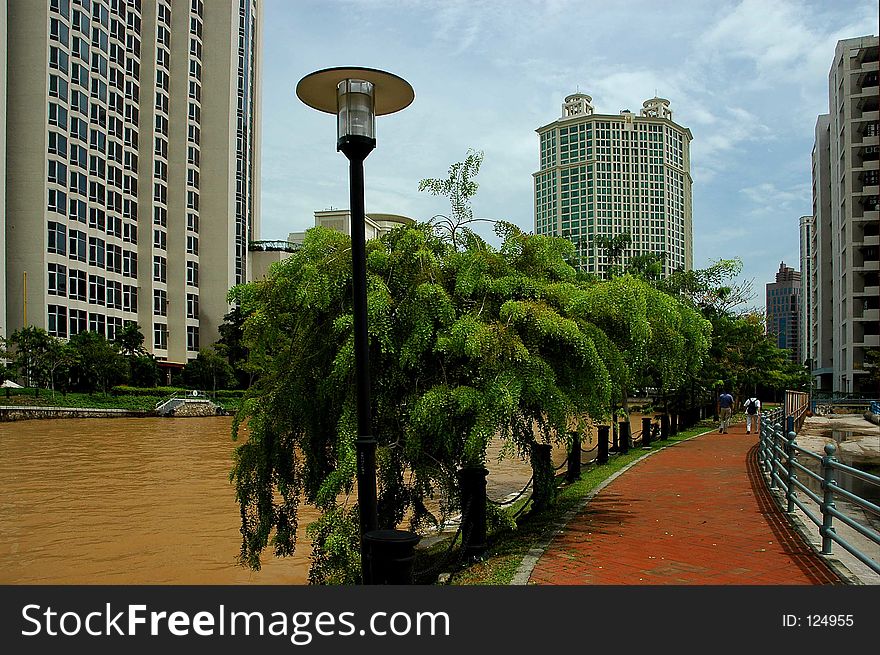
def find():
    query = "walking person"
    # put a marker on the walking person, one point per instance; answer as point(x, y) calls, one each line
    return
point(725, 407)
point(753, 411)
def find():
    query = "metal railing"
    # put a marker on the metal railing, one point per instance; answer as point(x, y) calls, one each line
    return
point(797, 403)
point(778, 455)
point(273, 246)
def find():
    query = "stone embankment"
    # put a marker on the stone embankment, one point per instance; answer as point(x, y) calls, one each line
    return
point(23, 413)
point(194, 408)
point(857, 439)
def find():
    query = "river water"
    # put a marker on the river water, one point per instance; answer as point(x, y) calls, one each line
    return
point(143, 501)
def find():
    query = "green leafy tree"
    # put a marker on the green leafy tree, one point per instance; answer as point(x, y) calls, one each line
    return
point(231, 346)
point(31, 355)
point(144, 370)
point(99, 364)
point(466, 342)
point(614, 248)
point(130, 340)
point(209, 370)
point(60, 359)
point(459, 187)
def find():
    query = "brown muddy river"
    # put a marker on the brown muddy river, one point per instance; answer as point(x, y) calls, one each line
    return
point(142, 501)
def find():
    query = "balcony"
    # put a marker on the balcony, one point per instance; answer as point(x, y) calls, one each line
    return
point(872, 315)
point(870, 341)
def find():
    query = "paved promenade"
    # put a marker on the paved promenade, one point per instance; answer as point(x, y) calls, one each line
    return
point(697, 513)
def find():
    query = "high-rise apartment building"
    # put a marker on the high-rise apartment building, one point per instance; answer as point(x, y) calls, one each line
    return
point(132, 165)
point(606, 175)
point(844, 300)
point(783, 309)
point(3, 169)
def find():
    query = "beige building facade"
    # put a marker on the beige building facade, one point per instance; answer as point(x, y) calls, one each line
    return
point(265, 253)
point(132, 165)
point(604, 175)
point(844, 288)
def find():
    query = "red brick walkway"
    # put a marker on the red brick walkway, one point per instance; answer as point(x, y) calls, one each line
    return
point(697, 513)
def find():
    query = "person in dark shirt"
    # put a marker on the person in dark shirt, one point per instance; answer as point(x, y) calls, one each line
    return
point(725, 406)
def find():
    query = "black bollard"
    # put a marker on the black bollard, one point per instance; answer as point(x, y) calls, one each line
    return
point(472, 483)
point(673, 424)
point(624, 429)
point(390, 555)
point(543, 476)
point(664, 427)
point(602, 457)
point(646, 431)
point(574, 458)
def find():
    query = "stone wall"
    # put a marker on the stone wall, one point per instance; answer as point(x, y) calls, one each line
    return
point(23, 413)
point(192, 408)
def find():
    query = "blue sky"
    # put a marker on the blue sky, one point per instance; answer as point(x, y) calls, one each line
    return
point(748, 78)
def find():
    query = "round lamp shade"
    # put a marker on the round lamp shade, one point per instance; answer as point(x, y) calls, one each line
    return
point(319, 89)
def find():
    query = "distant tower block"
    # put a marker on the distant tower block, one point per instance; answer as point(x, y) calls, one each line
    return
point(656, 108)
point(577, 104)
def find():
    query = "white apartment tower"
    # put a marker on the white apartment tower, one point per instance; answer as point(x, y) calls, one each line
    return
point(605, 175)
point(132, 165)
point(844, 287)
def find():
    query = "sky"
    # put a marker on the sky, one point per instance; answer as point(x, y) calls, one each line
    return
point(748, 78)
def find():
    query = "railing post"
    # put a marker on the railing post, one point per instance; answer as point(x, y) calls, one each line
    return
point(762, 444)
point(791, 454)
point(789, 424)
point(828, 484)
point(602, 457)
point(773, 456)
point(664, 427)
point(646, 431)
point(574, 458)
point(623, 428)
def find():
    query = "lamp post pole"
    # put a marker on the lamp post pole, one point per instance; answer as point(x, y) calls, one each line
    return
point(357, 96)
point(356, 150)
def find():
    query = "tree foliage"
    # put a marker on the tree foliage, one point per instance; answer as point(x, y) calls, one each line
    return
point(466, 341)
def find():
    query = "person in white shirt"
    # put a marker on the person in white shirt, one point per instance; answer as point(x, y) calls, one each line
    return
point(753, 411)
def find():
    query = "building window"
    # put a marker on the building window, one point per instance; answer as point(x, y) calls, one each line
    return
point(160, 302)
point(57, 201)
point(77, 285)
point(77, 245)
point(96, 252)
point(192, 273)
point(160, 266)
point(97, 290)
point(192, 338)
point(129, 298)
point(78, 321)
point(160, 336)
point(57, 279)
point(57, 323)
point(97, 323)
point(57, 238)
point(192, 305)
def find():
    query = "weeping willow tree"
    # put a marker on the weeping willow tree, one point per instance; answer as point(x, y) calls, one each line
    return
point(467, 342)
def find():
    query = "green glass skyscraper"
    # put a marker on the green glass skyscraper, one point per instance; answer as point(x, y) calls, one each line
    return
point(605, 175)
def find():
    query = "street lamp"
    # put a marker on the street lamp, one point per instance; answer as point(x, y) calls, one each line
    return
point(357, 95)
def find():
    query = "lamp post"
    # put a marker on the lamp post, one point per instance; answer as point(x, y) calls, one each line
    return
point(357, 95)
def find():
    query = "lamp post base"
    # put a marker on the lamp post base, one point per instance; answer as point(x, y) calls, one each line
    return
point(389, 556)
